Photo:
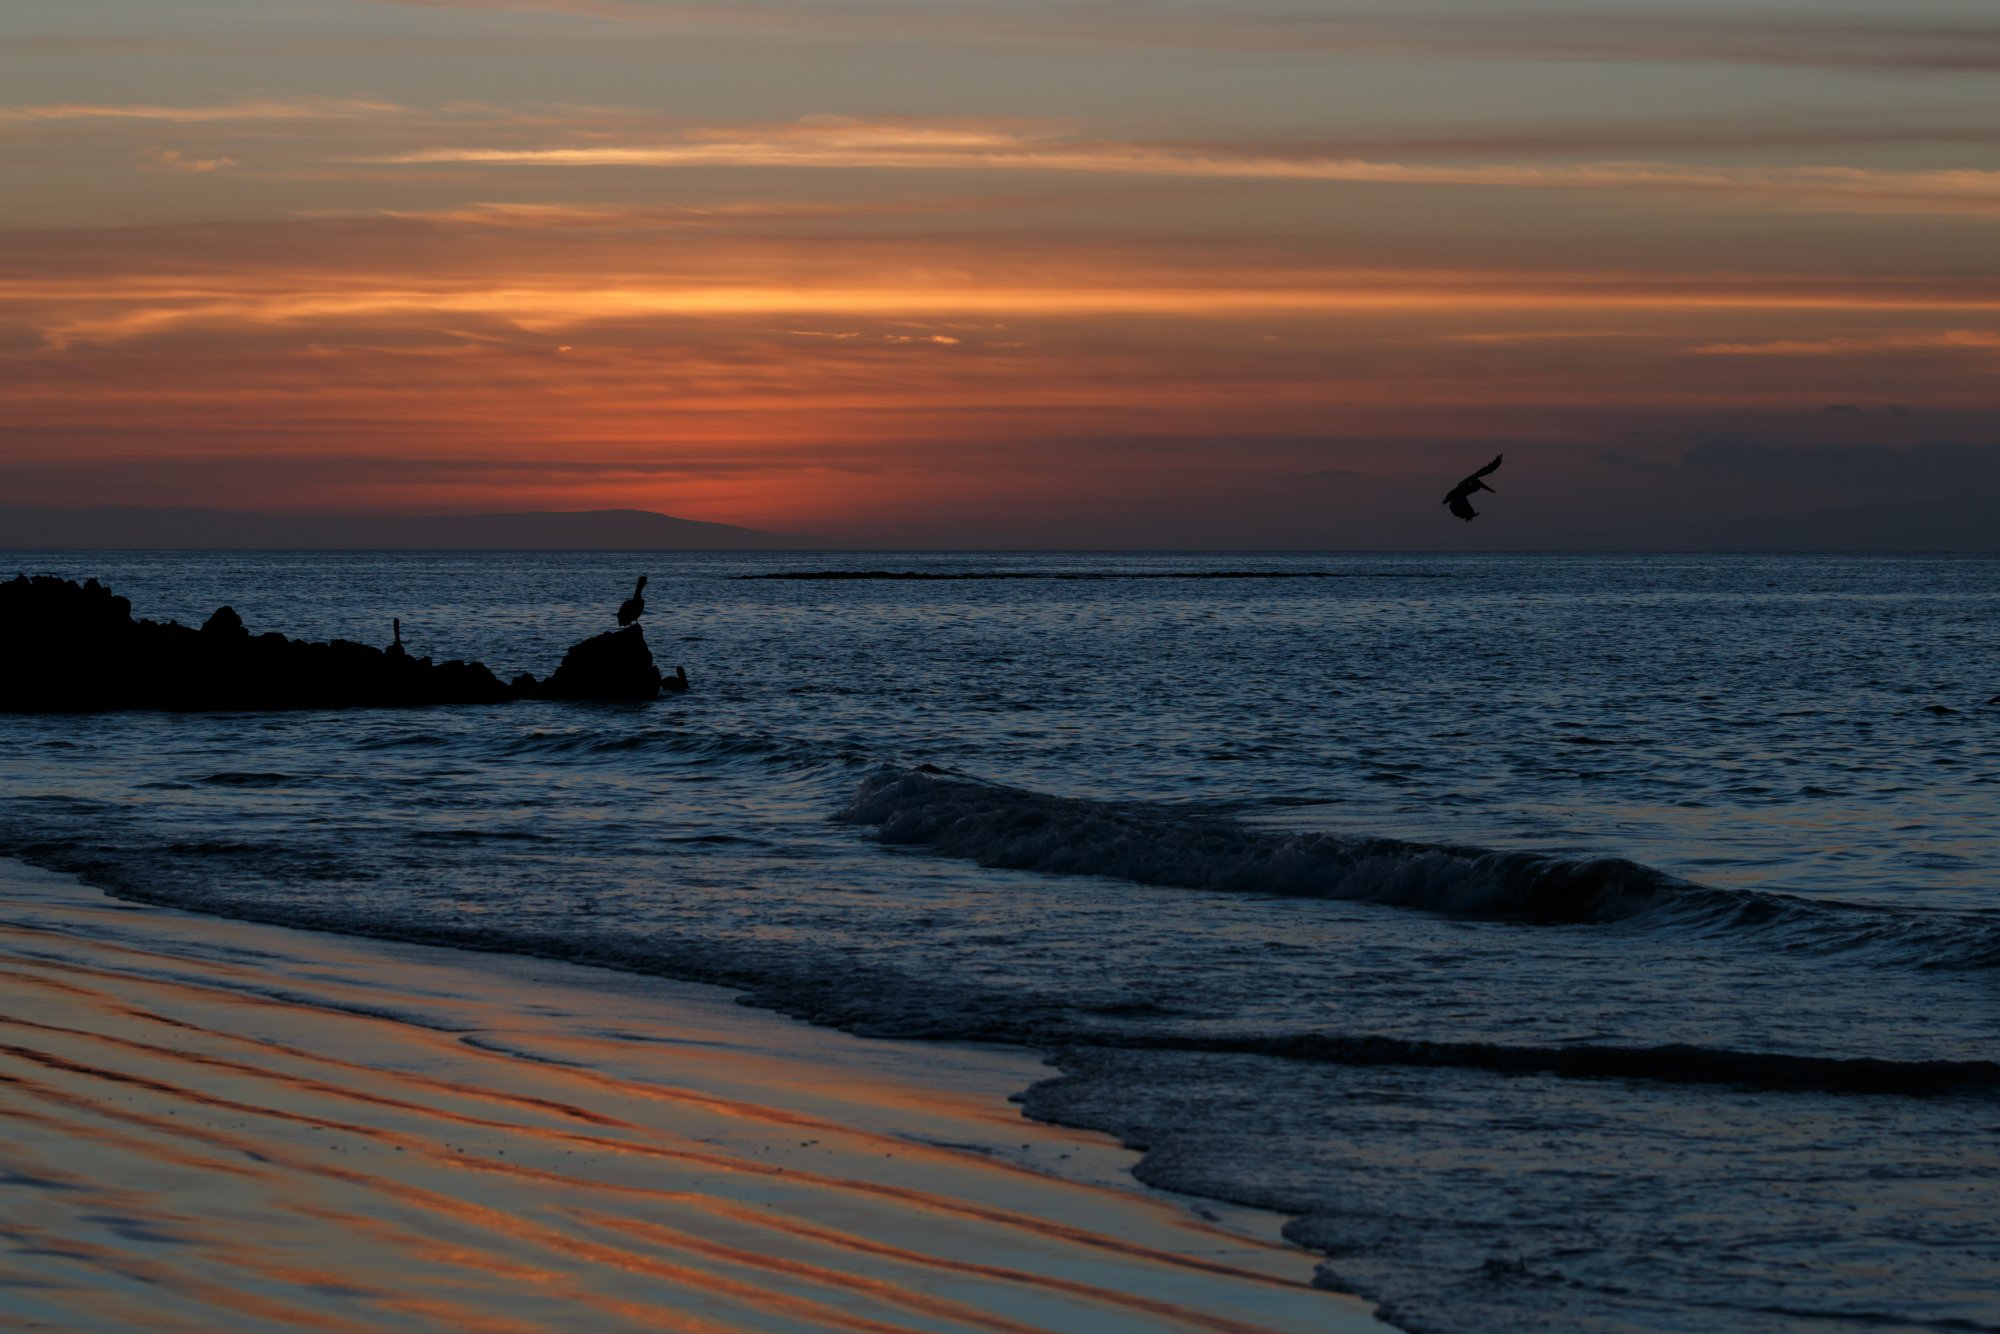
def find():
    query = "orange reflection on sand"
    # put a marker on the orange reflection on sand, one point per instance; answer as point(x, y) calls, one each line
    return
point(645, 1147)
point(264, 1116)
point(841, 1241)
point(460, 1161)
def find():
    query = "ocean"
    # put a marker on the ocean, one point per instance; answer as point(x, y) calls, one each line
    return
point(1565, 942)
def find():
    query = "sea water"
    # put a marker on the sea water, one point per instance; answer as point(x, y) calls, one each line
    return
point(1590, 943)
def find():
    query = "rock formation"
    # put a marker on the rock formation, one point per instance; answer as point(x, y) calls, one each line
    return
point(69, 647)
point(614, 665)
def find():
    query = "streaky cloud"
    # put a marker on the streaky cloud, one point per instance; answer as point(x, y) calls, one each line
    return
point(1943, 340)
point(172, 159)
point(248, 109)
point(834, 143)
point(1574, 32)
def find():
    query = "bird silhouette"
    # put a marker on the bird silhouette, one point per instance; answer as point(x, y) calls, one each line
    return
point(1457, 497)
point(632, 608)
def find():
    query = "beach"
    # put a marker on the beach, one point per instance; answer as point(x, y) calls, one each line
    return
point(214, 1123)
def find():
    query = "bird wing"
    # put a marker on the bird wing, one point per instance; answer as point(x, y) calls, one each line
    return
point(1488, 468)
point(1461, 507)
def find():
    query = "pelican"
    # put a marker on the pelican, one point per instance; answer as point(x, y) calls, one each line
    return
point(632, 608)
point(1457, 498)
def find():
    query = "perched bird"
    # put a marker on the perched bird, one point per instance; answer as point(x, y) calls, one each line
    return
point(1461, 506)
point(396, 645)
point(632, 608)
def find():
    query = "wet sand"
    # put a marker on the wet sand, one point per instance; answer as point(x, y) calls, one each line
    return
point(212, 1124)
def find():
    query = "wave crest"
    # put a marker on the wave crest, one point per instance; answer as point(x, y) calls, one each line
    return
point(1018, 829)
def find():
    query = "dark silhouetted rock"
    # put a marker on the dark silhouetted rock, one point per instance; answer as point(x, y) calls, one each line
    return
point(68, 647)
point(614, 665)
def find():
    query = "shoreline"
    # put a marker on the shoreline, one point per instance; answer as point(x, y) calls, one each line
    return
point(216, 1120)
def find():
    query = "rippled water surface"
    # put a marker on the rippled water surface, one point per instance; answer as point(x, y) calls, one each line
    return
point(1597, 943)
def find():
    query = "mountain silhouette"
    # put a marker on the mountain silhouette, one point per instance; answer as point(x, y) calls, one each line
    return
point(133, 527)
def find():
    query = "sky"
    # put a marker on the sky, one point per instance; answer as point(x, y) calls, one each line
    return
point(1018, 273)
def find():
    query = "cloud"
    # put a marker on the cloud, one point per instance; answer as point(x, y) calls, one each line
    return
point(1529, 336)
point(536, 217)
point(603, 9)
point(249, 109)
point(1914, 44)
point(84, 44)
point(103, 312)
point(1945, 340)
point(551, 269)
point(1821, 127)
point(172, 159)
point(557, 268)
point(829, 143)
point(852, 336)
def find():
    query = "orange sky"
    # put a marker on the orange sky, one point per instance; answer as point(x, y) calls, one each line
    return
point(949, 273)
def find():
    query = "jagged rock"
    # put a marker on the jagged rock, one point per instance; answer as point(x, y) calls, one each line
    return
point(68, 647)
point(613, 665)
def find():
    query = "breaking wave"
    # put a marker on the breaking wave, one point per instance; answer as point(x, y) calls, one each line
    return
point(1018, 829)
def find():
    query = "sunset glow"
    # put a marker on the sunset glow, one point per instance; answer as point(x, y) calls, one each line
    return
point(997, 274)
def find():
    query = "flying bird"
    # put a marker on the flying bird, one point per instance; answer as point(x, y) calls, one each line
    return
point(1457, 498)
point(632, 608)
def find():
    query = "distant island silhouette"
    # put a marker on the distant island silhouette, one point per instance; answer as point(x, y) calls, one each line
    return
point(120, 527)
point(981, 575)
